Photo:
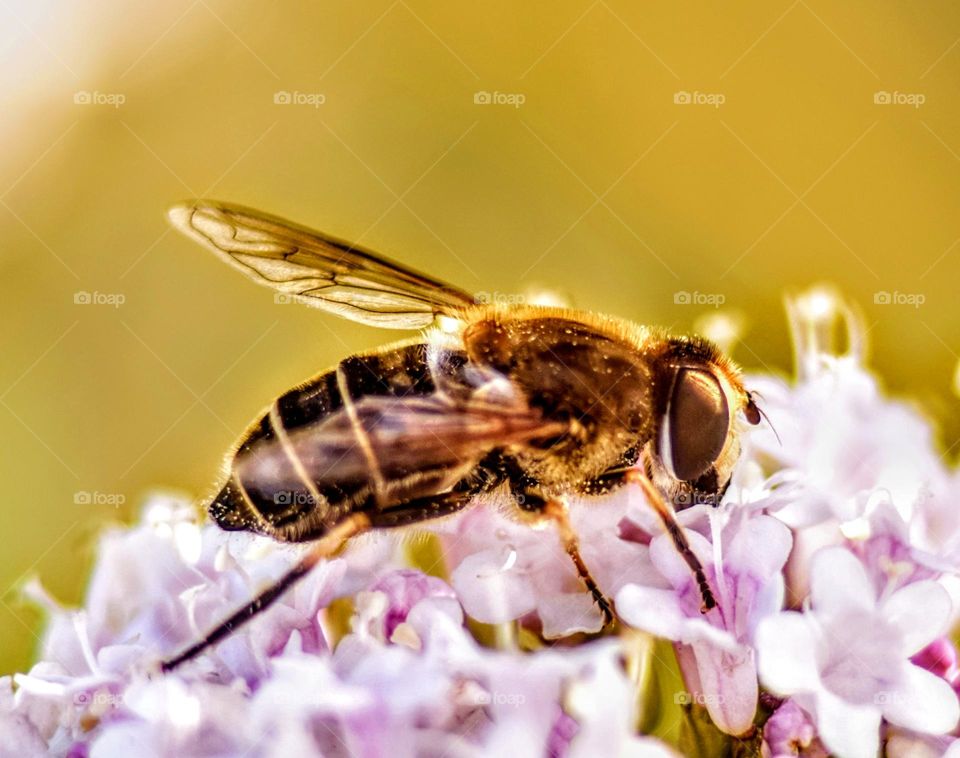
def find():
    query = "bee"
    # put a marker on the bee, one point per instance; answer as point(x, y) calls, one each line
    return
point(544, 403)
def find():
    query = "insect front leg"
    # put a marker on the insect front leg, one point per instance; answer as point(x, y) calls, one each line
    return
point(680, 542)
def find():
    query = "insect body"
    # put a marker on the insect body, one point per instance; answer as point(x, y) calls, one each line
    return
point(546, 403)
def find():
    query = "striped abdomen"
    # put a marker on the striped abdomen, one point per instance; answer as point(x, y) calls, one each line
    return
point(383, 434)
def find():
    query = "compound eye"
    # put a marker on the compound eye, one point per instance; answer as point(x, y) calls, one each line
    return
point(751, 411)
point(695, 425)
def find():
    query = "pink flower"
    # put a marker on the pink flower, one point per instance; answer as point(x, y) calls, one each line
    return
point(940, 659)
point(886, 551)
point(790, 732)
point(407, 681)
point(866, 658)
point(503, 570)
point(400, 591)
point(846, 660)
point(842, 440)
point(715, 648)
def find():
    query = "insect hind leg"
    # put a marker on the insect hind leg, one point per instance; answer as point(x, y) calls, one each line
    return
point(411, 512)
point(421, 509)
point(325, 547)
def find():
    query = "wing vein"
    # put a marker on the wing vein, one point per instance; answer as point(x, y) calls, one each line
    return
point(318, 269)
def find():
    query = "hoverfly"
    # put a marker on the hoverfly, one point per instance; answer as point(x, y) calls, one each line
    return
point(543, 402)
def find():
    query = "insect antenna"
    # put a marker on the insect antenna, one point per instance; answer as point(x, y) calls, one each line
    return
point(763, 413)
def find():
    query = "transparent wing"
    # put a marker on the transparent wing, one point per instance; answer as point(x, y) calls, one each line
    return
point(415, 441)
point(317, 269)
point(392, 449)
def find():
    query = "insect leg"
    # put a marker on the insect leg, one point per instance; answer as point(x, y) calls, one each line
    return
point(423, 509)
point(540, 508)
point(666, 514)
point(556, 511)
point(325, 547)
point(405, 514)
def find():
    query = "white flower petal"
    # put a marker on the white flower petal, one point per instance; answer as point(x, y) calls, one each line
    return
point(808, 509)
point(119, 739)
point(491, 593)
point(759, 547)
point(786, 653)
point(921, 611)
point(923, 702)
point(729, 686)
point(671, 564)
point(839, 583)
point(659, 612)
point(850, 731)
point(653, 610)
point(568, 613)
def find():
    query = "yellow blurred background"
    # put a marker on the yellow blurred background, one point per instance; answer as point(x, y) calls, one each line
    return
point(623, 153)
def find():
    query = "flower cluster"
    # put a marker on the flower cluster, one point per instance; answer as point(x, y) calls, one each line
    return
point(833, 557)
point(408, 678)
